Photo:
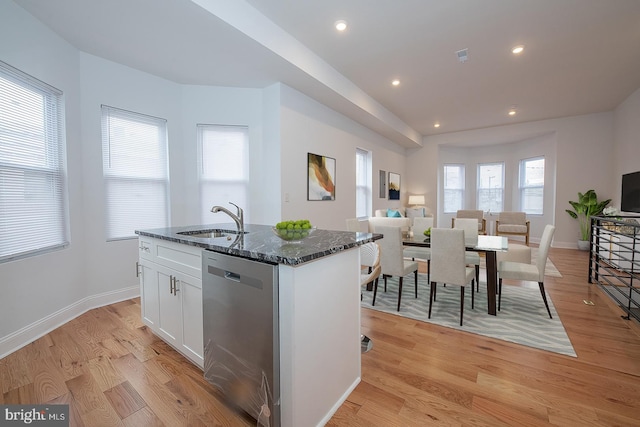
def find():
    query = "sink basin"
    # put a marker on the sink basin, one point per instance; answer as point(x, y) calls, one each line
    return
point(209, 234)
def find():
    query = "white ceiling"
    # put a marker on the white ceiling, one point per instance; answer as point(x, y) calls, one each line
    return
point(581, 56)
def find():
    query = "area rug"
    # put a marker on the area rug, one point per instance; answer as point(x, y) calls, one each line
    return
point(550, 269)
point(523, 318)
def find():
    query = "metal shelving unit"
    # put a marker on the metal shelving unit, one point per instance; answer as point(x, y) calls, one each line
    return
point(614, 260)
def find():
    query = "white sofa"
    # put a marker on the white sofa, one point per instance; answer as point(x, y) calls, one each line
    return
point(381, 219)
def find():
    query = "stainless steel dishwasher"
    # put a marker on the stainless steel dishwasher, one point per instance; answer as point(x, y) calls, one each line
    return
point(241, 340)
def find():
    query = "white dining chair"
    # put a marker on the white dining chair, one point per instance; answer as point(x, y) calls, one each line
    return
point(529, 272)
point(392, 261)
point(353, 224)
point(420, 253)
point(370, 259)
point(470, 228)
point(449, 264)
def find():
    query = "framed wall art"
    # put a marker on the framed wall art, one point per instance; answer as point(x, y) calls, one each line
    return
point(394, 186)
point(321, 177)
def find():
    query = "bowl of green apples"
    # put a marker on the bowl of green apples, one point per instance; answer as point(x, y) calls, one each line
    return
point(293, 231)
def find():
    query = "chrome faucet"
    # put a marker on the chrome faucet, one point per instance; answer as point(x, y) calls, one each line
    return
point(237, 218)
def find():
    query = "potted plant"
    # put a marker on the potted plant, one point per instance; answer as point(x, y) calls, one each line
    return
point(586, 206)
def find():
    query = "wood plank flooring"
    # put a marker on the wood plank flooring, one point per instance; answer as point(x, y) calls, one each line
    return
point(113, 371)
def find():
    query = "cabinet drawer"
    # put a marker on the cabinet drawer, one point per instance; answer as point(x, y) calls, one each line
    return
point(184, 258)
point(145, 248)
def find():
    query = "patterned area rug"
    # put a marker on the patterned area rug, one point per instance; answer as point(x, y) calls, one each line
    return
point(523, 318)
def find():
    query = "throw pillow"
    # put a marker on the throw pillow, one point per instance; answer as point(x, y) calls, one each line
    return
point(415, 212)
point(392, 213)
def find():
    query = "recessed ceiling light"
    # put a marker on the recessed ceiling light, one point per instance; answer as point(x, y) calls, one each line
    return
point(395, 82)
point(512, 112)
point(517, 49)
point(341, 25)
point(436, 125)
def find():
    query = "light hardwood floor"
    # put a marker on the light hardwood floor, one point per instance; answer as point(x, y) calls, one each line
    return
point(113, 371)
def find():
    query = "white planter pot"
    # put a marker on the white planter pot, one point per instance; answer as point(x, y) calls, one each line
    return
point(583, 245)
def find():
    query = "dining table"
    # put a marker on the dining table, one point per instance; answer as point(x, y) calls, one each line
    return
point(489, 245)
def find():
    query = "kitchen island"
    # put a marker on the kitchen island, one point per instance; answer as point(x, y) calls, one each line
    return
point(318, 307)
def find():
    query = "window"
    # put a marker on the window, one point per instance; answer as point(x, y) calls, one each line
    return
point(136, 172)
point(224, 169)
point(491, 187)
point(33, 189)
point(532, 185)
point(453, 188)
point(363, 183)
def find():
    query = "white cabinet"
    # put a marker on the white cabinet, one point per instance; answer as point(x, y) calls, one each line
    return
point(149, 293)
point(171, 294)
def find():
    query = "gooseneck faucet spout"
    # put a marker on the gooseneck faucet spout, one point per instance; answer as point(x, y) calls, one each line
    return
point(237, 218)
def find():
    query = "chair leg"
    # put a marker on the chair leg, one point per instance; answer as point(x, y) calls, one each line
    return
point(472, 296)
point(399, 292)
point(432, 296)
point(461, 303)
point(544, 297)
point(428, 271)
point(385, 282)
point(415, 274)
point(375, 291)
point(499, 292)
point(478, 277)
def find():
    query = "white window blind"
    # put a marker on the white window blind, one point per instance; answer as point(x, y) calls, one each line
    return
point(363, 183)
point(33, 191)
point(453, 187)
point(491, 187)
point(136, 172)
point(224, 170)
point(532, 186)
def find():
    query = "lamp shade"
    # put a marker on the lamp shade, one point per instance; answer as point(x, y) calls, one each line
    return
point(416, 200)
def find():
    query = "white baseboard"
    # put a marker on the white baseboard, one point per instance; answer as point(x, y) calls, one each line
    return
point(30, 333)
point(339, 403)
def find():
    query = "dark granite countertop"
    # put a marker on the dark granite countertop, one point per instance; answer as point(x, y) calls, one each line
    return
point(261, 244)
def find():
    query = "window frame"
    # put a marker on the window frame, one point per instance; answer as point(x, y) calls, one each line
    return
point(34, 179)
point(522, 187)
point(203, 180)
point(480, 188)
point(132, 174)
point(462, 173)
point(364, 183)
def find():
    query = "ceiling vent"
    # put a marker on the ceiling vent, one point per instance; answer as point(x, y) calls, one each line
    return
point(463, 55)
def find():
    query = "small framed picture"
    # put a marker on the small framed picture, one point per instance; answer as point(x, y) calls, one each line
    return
point(394, 186)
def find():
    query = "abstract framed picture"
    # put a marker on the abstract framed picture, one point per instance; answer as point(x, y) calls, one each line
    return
point(394, 186)
point(321, 177)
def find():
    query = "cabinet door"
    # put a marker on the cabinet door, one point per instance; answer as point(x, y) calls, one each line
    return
point(170, 315)
point(190, 292)
point(147, 272)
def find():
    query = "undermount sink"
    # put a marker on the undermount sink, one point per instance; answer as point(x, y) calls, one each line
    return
point(209, 234)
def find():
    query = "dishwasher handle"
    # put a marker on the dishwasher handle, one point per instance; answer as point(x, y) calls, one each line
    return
point(232, 276)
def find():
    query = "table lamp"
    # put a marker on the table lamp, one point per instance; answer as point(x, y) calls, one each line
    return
point(416, 200)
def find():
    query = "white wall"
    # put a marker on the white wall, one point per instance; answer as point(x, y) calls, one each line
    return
point(39, 286)
point(584, 160)
point(510, 154)
point(39, 293)
point(227, 106)
point(307, 126)
point(627, 143)
point(112, 265)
